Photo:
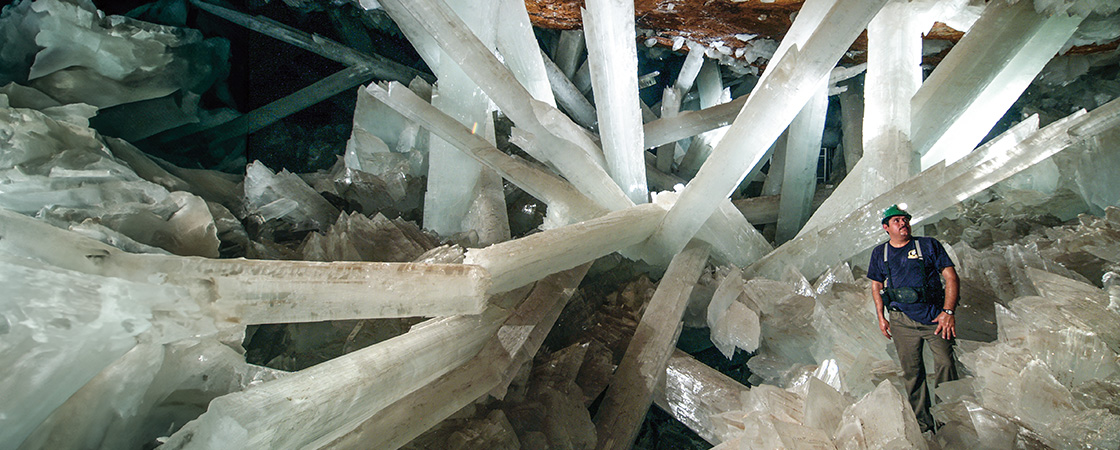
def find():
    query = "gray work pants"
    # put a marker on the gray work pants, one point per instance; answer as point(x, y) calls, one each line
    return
point(908, 337)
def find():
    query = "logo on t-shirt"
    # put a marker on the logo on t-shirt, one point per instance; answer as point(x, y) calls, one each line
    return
point(913, 254)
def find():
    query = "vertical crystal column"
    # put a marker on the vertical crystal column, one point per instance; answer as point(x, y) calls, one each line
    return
point(569, 52)
point(520, 50)
point(568, 96)
point(455, 181)
point(768, 110)
point(894, 72)
point(612, 55)
point(799, 178)
point(982, 76)
point(643, 367)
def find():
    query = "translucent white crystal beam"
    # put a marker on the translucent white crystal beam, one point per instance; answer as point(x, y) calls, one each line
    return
point(495, 364)
point(330, 399)
point(612, 55)
point(709, 86)
point(769, 109)
point(691, 123)
point(670, 107)
point(569, 97)
point(117, 408)
point(552, 190)
point(642, 368)
point(803, 149)
point(384, 68)
point(262, 291)
point(455, 181)
point(696, 394)
point(690, 68)
point(569, 52)
point(273, 112)
point(544, 122)
point(734, 240)
point(894, 73)
point(983, 74)
point(522, 261)
point(520, 51)
point(812, 253)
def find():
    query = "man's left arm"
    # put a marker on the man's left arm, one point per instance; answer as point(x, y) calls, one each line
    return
point(947, 323)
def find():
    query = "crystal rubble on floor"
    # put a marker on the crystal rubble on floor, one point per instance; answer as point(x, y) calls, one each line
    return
point(1056, 345)
point(489, 371)
point(882, 419)
point(64, 171)
point(134, 400)
point(355, 237)
point(961, 100)
point(812, 253)
point(553, 130)
point(732, 323)
point(767, 112)
point(82, 56)
point(632, 387)
point(285, 197)
point(66, 326)
point(612, 56)
point(566, 204)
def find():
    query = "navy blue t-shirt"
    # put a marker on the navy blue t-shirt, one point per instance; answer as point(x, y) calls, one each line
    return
point(906, 271)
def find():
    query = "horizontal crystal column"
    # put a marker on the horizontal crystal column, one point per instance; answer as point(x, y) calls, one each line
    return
point(259, 291)
point(492, 369)
point(694, 393)
point(522, 261)
point(690, 123)
point(631, 390)
point(254, 292)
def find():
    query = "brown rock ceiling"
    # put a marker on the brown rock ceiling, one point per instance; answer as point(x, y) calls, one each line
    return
point(710, 21)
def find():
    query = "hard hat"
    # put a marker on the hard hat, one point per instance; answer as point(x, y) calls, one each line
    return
point(895, 210)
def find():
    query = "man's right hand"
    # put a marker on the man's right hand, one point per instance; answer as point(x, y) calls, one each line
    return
point(885, 326)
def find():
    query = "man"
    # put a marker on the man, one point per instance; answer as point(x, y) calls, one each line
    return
point(905, 275)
